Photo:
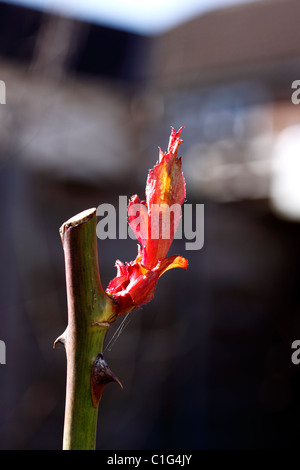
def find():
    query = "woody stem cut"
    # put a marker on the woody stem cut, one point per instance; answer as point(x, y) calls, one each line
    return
point(90, 312)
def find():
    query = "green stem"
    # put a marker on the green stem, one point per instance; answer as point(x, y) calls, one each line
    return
point(90, 312)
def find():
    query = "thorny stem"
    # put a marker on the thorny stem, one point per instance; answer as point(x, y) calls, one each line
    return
point(90, 312)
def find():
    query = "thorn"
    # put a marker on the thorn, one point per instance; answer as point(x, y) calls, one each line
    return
point(61, 339)
point(101, 375)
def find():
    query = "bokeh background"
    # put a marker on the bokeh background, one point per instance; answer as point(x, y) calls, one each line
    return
point(207, 364)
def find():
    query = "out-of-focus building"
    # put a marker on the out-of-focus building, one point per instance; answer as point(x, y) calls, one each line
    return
point(227, 75)
point(68, 95)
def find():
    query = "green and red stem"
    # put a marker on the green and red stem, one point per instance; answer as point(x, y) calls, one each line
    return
point(90, 312)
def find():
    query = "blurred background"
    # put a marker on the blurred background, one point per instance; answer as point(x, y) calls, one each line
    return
point(91, 93)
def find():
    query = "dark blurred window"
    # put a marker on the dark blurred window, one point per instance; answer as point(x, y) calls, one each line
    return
point(18, 31)
point(108, 52)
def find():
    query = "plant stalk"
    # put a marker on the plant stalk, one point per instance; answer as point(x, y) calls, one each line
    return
point(90, 312)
